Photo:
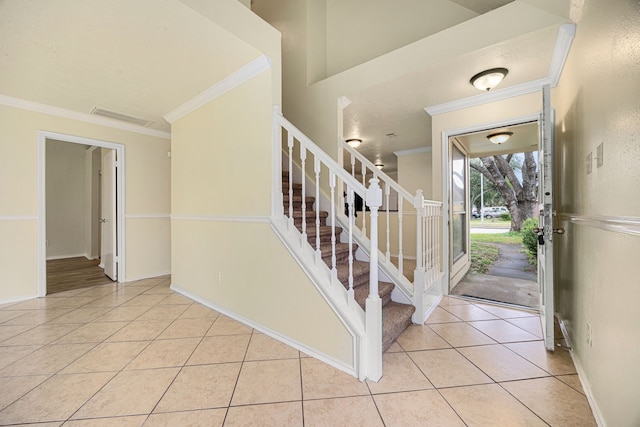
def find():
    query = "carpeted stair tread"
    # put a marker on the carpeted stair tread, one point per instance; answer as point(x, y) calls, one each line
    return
point(396, 318)
point(362, 292)
point(342, 252)
point(360, 273)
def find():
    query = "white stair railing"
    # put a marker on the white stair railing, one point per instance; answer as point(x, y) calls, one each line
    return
point(326, 174)
point(396, 250)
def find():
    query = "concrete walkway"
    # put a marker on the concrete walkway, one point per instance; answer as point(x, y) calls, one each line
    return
point(509, 280)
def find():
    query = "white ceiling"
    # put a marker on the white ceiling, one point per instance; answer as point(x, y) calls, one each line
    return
point(397, 107)
point(142, 58)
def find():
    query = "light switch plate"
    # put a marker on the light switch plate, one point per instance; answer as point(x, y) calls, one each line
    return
point(600, 154)
point(589, 163)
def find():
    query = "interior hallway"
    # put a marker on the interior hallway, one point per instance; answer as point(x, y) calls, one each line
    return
point(138, 354)
point(74, 273)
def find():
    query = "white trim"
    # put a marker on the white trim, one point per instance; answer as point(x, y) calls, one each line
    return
point(153, 276)
point(18, 217)
point(338, 364)
point(17, 300)
point(564, 39)
point(147, 216)
point(586, 387)
point(218, 218)
point(83, 117)
point(42, 216)
point(487, 97)
point(82, 255)
point(624, 225)
point(413, 151)
point(233, 80)
point(566, 33)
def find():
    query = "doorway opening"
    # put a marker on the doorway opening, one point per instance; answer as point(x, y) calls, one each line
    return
point(80, 212)
point(493, 189)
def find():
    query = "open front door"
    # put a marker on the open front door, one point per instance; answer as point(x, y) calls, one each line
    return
point(545, 218)
point(108, 220)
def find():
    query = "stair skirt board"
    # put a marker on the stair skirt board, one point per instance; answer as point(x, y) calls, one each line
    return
point(396, 316)
point(338, 364)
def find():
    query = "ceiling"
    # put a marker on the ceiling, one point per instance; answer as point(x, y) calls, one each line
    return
point(391, 117)
point(130, 57)
point(524, 138)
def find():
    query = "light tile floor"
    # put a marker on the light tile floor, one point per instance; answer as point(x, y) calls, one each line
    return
point(138, 354)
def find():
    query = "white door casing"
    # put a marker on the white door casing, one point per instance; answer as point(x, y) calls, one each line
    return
point(109, 217)
point(43, 136)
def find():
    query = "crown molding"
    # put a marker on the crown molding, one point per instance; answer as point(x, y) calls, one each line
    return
point(36, 107)
point(566, 34)
point(233, 80)
point(412, 151)
point(564, 39)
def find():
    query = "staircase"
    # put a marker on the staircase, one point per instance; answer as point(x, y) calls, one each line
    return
point(396, 317)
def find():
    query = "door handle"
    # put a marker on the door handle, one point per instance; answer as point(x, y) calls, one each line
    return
point(558, 230)
point(103, 220)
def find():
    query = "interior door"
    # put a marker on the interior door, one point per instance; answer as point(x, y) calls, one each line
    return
point(459, 213)
point(108, 220)
point(545, 218)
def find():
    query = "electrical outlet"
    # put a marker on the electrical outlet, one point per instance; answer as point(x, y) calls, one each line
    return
point(219, 277)
point(589, 335)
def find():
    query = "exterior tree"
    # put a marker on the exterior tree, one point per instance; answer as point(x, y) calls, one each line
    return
point(520, 196)
point(492, 197)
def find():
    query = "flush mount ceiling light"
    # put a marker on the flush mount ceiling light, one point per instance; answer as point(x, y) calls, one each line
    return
point(499, 137)
point(488, 79)
point(379, 166)
point(355, 143)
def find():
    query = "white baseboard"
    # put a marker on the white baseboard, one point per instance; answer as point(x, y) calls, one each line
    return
point(151, 276)
point(18, 299)
point(50, 258)
point(597, 415)
point(273, 334)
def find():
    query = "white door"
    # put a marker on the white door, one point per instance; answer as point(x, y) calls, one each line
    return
point(108, 218)
point(459, 213)
point(545, 218)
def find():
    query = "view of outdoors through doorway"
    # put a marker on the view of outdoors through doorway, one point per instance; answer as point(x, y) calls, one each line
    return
point(502, 189)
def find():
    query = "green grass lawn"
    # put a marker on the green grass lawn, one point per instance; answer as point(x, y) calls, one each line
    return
point(506, 237)
point(483, 255)
point(490, 223)
point(484, 251)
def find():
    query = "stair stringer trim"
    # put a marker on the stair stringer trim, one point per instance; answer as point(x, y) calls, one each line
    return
point(333, 291)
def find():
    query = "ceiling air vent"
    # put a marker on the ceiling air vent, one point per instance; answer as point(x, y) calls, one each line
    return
point(120, 116)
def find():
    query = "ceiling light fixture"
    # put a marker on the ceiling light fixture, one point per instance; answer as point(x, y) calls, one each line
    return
point(355, 143)
point(488, 79)
point(499, 137)
point(379, 166)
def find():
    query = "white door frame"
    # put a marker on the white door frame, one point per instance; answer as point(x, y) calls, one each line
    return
point(42, 212)
point(446, 258)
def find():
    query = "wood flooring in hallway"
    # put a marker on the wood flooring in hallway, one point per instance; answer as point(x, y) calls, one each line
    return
point(74, 273)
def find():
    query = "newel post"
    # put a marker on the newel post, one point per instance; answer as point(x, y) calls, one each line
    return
point(419, 272)
point(373, 348)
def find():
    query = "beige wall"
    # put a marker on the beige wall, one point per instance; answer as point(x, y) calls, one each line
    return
point(147, 193)
point(66, 182)
point(224, 250)
point(597, 102)
point(356, 34)
point(414, 173)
